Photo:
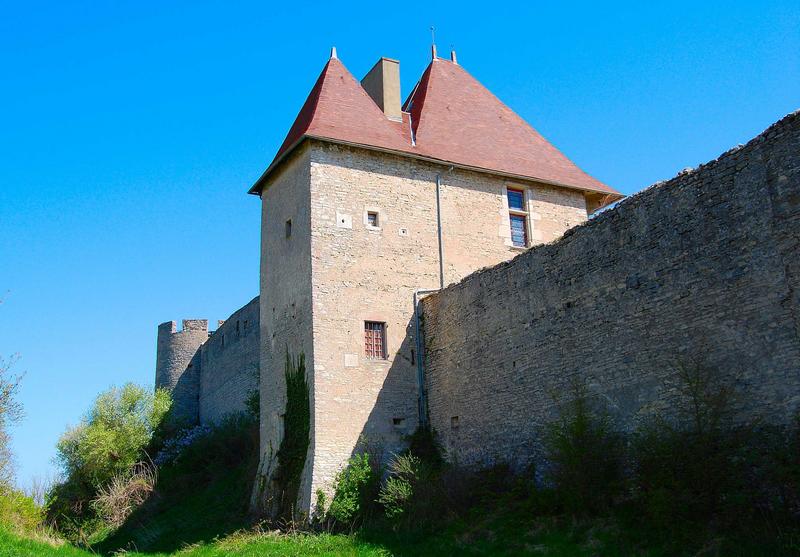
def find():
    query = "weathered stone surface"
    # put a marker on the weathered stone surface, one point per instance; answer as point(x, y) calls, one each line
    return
point(337, 271)
point(229, 364)
point(210, 375)
point(702, 268)
point(286, 323)
point(177, 363)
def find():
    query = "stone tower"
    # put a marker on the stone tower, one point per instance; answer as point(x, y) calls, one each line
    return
point(178, 364)
point(367, 205)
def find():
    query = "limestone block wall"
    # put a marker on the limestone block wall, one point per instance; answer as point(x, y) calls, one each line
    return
point(229, 365)
point(286, 316)
point(364, 273)
point(178, 363)
point(701, 269)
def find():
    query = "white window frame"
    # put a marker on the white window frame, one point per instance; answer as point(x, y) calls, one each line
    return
point(525, 212)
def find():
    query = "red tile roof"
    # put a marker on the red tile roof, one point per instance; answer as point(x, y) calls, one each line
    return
point(455, 119)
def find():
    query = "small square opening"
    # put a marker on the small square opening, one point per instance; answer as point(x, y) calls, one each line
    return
point(373, 219)
point(454, 422)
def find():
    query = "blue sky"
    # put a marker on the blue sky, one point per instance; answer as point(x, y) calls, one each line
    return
point(130, 132)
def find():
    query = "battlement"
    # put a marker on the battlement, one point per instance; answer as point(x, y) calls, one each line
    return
point(171, 327)
point(195, 325)
point(209, 375)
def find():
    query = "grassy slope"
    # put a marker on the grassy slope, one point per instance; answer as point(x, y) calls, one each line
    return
point(235, 546)
point(483, 532)
point(203, 497)
point(200, 506)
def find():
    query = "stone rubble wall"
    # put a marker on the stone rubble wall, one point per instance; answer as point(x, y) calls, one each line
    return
point(210, 374)
point(702, 270)
point(229, 365)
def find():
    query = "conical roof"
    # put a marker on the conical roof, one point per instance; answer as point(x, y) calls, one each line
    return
point(455, 120)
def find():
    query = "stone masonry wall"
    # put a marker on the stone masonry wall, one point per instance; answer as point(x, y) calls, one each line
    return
point(229, 364)
point(369, 273)
point(178, 365)
point(286, 319)
point(210, 374)
point(701, 270)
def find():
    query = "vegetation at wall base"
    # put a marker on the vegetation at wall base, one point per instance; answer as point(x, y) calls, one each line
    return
point(104, 448)
point(688, 486)
point(291, 456)
point(202, 495)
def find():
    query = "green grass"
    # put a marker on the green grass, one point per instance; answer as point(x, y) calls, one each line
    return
point(237, 545)
point(485, 531)
point(15, 546)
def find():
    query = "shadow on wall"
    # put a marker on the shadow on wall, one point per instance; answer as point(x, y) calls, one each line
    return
point(702, 268)
point(186, 393)
point(395, 416)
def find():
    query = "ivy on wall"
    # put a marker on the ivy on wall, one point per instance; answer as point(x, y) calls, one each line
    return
point(292, 452)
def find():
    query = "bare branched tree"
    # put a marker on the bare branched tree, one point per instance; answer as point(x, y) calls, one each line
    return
point(10, 413)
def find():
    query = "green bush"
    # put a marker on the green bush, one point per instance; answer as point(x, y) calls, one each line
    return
point(110, 440)
point(585, 457)
point(355, 491)
point(782, 471)
point(397, 492)
point(18, 512)
point(211, 455)
point(683, 475)
point(253, 403)
point(202, 494)
point(108, 443)
point(420, 487)
point(695, 466)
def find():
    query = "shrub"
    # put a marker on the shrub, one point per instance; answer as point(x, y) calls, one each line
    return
point(783, 472)
point(398, 491)
point(698, 467)
point(69, 510)
point(125, 493)
point(355, 491)
point(211, 453)
point(424, 445)
point(111, 438)
point(253, 403)
point(172, 448)
point(18, 512)
point(585, 457)
point(108, 443)
point(202, 494)
point(419, 487)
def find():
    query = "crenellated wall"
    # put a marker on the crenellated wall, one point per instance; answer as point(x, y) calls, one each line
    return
point(178, 365)
point(229, 364)
point(210, 374)
point(701, 270)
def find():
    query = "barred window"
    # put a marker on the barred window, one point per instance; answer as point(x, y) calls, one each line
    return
point(375, 340)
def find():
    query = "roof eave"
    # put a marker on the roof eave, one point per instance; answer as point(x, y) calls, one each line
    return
point(257, 188)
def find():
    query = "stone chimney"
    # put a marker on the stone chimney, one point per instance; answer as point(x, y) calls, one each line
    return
point(382, 83)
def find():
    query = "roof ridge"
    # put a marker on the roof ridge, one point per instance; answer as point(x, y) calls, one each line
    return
point(455, 120)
